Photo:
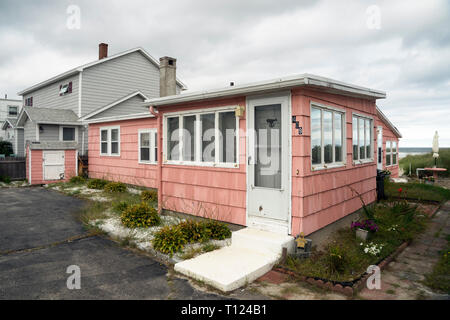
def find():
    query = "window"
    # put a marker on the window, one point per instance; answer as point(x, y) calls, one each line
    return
point(12, 111)
point(362, 138)
point(327, 136)
point(68, 134)
point(29, 102)
point(391, 153)
point(148, 146)
point(110, 141)
point(65, 89)
point(208, 138)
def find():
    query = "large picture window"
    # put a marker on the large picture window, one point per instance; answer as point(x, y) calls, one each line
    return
point(202, 138)
point(110, 141)
point(362, 138)
point(148, 146)
point(327, 136)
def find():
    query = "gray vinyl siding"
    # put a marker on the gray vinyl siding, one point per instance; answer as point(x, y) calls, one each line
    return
point(50, 132)
point(48, 96)
point(109, 81)
point(20, 151)
point(129, 106)
point(29, 131)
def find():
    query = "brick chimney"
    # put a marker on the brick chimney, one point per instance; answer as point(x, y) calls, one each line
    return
point(167, 76)
point(102, 51)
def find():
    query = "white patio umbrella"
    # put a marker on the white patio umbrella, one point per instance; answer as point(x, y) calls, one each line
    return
point(435, 148)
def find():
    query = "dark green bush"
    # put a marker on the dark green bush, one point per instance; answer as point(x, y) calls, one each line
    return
point(77, 179)
point(218, 230)
point(149, 195)
point(97, 184)
point(140, 216)
point(115, 187)
point(6, 148)
point(169, 240)
point(195, 231)
point(5, 179)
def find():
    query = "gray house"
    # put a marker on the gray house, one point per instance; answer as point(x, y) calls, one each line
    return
point(57, 109)
point(9, 111)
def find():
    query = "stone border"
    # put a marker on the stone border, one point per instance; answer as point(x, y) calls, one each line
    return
point(346, 290)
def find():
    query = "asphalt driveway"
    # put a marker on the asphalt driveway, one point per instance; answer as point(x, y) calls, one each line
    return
point(36, 226)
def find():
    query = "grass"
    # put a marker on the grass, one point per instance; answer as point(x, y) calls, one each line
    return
point(426, 161)
point(439, 278)
point(343, 259)
point(415, 190)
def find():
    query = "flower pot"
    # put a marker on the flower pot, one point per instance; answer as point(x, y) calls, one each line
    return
point(362, 234)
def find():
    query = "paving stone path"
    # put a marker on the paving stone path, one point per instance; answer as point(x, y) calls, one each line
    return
point(403, 278)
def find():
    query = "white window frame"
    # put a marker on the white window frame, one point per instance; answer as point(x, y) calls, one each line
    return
point(372, 130)
point(391, 153)
point(198, 141)
point(17, 112)
point(61, 133)
point(334, 164)
point(109, 142)
point(152, 147)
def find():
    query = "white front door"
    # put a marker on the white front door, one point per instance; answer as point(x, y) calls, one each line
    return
point(380, 148)
point(53, 165)
point(268, 183)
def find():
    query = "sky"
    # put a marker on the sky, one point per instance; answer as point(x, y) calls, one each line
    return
point(400, 47)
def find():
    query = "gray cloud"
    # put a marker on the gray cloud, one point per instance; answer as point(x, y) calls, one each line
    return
point(221, 41)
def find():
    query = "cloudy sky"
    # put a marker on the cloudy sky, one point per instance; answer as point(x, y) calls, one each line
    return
point(401, 47)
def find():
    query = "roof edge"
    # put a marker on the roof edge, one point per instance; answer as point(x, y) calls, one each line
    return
point(91, 64)
point(388, 123)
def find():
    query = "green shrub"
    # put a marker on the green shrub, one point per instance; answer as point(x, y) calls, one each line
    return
point(115, 187)
point(6, 148)
point(119, 206)
point(169, 240)
point(77, 179)
point(195, 231)
point(218, 230)
point(336, 258)
point(149, 195)
point(140, 216)
point(97, 184)
point(5, 179)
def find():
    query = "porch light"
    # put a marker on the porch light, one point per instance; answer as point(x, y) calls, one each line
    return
point(41, 129)
point(239, 111)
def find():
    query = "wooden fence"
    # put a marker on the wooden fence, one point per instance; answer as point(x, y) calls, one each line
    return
point(13, 168)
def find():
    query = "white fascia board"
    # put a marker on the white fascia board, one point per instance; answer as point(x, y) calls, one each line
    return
point(21, 115)
point(100, 110)
point(120, 118)
point(269, 86)
point(60, 123)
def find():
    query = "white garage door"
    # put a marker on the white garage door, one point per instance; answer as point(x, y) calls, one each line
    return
point(53, 164)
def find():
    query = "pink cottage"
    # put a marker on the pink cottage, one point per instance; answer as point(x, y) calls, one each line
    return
point(287, 155)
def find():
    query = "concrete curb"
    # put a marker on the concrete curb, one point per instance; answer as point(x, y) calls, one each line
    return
point(349, 291)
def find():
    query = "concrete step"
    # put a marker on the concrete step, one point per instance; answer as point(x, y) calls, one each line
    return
point(252, 254)
point(260, 240)
point(228, 268)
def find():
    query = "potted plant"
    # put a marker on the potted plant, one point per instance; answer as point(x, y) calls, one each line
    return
point(364, 228)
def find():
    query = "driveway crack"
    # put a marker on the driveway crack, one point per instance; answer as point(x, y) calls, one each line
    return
point(49, 245)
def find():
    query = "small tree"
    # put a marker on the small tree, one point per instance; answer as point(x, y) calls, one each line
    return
point(6, 148)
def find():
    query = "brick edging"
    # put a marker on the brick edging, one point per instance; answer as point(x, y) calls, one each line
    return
point(346, 290)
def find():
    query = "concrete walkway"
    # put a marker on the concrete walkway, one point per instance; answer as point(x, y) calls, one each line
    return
point(402, 279)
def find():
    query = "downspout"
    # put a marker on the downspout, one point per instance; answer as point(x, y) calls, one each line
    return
point(160, 154)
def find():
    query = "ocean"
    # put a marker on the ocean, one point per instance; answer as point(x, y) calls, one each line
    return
point(403, 152)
